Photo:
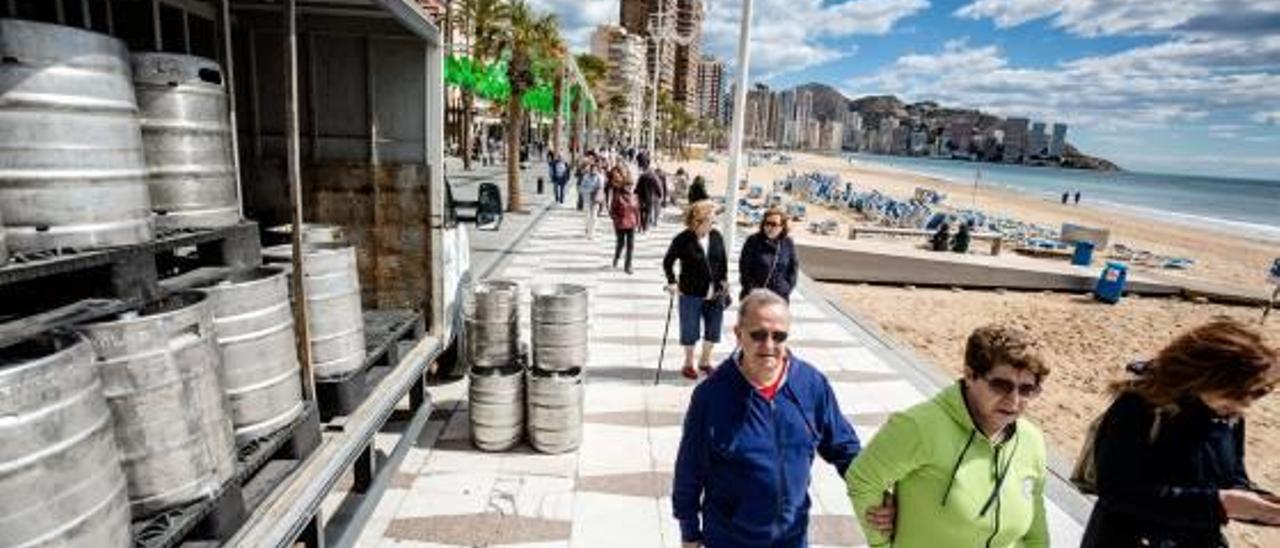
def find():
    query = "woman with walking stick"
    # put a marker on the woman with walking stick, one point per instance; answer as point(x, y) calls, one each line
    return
point(703, 286)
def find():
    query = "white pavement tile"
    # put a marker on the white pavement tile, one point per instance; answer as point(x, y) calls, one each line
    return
point(615, 521)
point(608, 449)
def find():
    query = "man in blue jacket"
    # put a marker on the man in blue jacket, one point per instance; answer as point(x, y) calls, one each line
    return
point(752, 428)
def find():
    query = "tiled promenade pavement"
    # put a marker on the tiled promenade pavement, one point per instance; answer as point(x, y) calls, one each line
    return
point(615, 490)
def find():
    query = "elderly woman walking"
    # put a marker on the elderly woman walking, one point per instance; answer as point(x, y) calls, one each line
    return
point(768, 259)
point(624, 209)
point(703, 285)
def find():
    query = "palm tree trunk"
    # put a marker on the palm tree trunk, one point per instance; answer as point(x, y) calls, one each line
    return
point(557, 97)
point(468, 102)
point(515, 201)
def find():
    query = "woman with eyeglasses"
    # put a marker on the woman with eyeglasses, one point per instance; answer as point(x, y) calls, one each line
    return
point(703, 285)
point(1169, 452)
point(768, 259)
point(964, 467)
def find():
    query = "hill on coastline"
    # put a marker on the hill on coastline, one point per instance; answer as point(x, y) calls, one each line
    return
point(830, 104)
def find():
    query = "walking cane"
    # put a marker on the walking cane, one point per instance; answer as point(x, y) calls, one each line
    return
point(665, 330)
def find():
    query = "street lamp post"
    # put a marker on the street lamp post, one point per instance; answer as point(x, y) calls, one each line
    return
point(657, 31)
point(739, 114)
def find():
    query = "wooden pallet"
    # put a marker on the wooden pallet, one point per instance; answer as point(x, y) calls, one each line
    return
point(36, 283)
point(261, 465)
point(384, 331)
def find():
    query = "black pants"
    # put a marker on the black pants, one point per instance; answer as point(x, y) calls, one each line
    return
point(628, 236)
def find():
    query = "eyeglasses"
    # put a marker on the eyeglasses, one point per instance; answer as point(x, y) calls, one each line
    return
point(772, 224)
point(760, 335)
point(1005, 387)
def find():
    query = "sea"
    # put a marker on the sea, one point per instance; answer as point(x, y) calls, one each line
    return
point(1245, 207)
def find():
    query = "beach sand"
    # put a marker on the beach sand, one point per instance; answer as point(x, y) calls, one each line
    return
point(1088, 343)
point(1221, 258)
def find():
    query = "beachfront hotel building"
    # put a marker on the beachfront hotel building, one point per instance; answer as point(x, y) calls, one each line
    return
point(624, 54)
point(689, 14)
point(1037, 141)
point(1015, 140)
point(756, 119)
point(1058, 141)
point(852, 139)
point(710, 87)
point(635, 18)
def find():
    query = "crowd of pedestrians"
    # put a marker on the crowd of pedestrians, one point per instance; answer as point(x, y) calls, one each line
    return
point(964, 468)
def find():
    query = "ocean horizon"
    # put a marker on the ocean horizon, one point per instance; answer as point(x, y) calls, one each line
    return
point(1247, 207)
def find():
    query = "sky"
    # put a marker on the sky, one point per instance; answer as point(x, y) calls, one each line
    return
point(1166, 86)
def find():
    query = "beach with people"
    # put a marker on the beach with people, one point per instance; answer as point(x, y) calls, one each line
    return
point(1087, 343)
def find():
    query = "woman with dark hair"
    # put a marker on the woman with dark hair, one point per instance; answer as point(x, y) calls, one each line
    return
point(624, 209)
point(768, 257)
point(1169, 452)
point(698, 190)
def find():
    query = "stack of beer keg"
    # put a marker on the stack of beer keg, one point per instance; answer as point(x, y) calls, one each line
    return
point(490, 342)
point(555, 381)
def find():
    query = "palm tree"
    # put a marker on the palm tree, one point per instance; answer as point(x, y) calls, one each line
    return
point(555, 55)
point(527, 37)
point(483, 21)
point(593, 70)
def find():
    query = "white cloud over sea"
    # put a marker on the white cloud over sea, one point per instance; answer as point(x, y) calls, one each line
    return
point(1112, 17)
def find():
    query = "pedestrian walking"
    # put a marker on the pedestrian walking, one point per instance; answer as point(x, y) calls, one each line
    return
point(1077, 198)
point(560, 174)
point(624, 209)
point(963, 467)
point(649, 190)
point(1168, 454)
point(703, 285)
point(750, 435)
point(698, 190)
point(768, 258)
point(592, 191)
point(1065, 196)
point(680, 187)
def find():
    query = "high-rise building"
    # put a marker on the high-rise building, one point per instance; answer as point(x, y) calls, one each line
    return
point(919, 144)
point(635, 17)
point(689, 14)
point(1038, 140)
point(832, 137)
point(624, 55)
point(755, 127)
point(804, 115)
point(1058, 141)
point(787, 110)
point(813, 134)
point(852, 138)
point(1015, 140)
point(960, 136)
point(710, 87)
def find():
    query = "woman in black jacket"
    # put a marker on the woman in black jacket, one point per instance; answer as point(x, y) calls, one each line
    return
point(704, 277)
point(768, 257)
point(1169, 451)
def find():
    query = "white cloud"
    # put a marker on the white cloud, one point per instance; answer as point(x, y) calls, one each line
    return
point(1108, 17)
point(1184, 80)
point(579, 18)
point(786, 35)
point(1271, 118)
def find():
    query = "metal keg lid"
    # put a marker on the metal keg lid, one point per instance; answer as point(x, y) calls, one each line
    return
point(174, 70)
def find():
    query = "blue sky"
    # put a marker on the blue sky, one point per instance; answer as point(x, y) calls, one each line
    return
point(1155, 85)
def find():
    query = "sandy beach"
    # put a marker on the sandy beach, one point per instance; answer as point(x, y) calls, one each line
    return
point(1087, 343)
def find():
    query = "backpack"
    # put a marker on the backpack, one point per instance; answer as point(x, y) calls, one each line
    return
point(1085, 473)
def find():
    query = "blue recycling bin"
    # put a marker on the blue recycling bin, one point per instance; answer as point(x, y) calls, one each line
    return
point(1083, 255)
point(1110, 284)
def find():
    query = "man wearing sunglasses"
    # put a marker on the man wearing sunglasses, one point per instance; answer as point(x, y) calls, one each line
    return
point(750, 435)
point(964, 468)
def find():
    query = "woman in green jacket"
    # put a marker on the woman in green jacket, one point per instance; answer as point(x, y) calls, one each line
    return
point(965, 470)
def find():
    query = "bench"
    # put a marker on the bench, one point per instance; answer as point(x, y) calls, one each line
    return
point(994, 238)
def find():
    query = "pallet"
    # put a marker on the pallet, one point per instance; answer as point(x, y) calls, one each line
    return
point(34, 283)
point(262, 464)
point(384, 330)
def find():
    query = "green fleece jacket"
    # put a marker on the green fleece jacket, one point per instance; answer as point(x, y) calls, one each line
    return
point(944, 472)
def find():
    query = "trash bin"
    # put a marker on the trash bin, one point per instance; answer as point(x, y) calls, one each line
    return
point(1083, 255)
point(1110, 284)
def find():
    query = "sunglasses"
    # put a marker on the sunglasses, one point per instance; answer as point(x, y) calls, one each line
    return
point(1260, 392)
point(760, 335)
point(772, 224)
point(1006, 387)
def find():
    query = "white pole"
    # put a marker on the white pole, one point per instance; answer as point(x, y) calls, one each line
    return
point(735, 142)
point(656, 31)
